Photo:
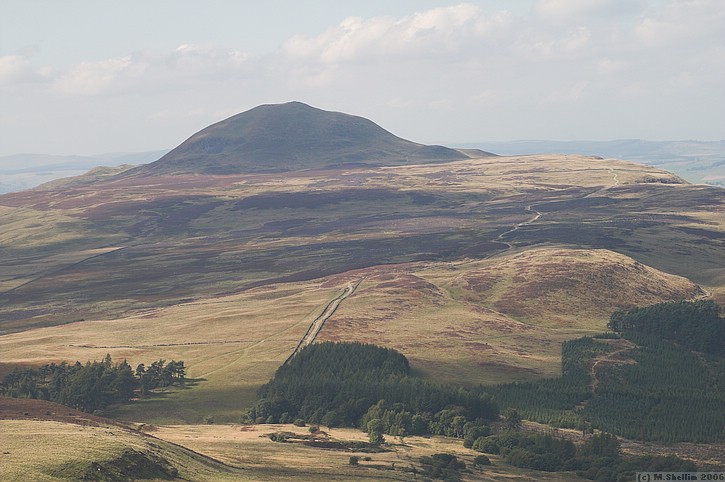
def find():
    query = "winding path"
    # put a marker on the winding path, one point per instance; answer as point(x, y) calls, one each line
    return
point(612, 358)
point(529, 208)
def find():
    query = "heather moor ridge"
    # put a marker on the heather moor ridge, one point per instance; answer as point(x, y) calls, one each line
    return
point(287, 225)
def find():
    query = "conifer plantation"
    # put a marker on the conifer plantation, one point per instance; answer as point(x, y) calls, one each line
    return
point(668, 387)
point(337, 383)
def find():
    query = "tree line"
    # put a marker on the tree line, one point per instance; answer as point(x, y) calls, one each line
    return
point(599, 457)
point(331, 383)
point(553, 400)
point(93, 386)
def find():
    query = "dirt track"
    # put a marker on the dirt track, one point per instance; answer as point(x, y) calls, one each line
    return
point(529, 209)
point(617, 357)
point(319, 322)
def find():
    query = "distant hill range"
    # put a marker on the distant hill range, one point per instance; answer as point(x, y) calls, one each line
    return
point(25, 171)
point(292, 137)
point(699, 162)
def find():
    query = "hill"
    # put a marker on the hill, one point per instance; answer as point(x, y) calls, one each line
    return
point(291, 137)
point(119, 244)
point(126, 248)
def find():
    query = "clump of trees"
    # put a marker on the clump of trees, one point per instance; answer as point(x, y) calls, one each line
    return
point(160, 375)
point(442, 466)
point(394, 419)
point(92, 386)
point(336, 384)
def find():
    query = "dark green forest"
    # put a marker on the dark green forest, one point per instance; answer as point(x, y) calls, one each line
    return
point(669, 394)
point(665, 391)
point(695, 325)
point(92, 386)
point(336, 384)
point(664, 383)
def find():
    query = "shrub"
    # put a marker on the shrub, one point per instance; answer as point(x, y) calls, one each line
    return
point(488, 445)
point(481, 460)
point(354, 460)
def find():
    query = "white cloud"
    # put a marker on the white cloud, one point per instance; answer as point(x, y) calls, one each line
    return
point(687, 21)
point(610, 67)
point(431, 34)
point(92, 78)
point(17, 69)
point(150, 71)
point(572, 43)
point(567, 9)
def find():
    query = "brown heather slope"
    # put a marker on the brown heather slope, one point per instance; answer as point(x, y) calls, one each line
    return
point(571, 287)
point(27, 409)
point(99, 250)
point(497, 319)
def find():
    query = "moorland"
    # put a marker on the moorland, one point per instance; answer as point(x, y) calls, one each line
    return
point(476, 267)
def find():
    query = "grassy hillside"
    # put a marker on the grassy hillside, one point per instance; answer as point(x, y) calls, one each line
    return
point(498, 319)
point(167, 240)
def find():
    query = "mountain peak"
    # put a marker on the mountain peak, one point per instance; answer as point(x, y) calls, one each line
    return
point(289, 137)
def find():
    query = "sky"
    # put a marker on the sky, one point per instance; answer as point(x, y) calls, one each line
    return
point(92, 76)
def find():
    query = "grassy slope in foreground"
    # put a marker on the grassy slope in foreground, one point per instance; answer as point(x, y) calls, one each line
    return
point(46, 442)
point(43, 441)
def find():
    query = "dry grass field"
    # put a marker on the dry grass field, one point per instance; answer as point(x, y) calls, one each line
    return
point(251, 447)
point(48, 442)
point(231, 345)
